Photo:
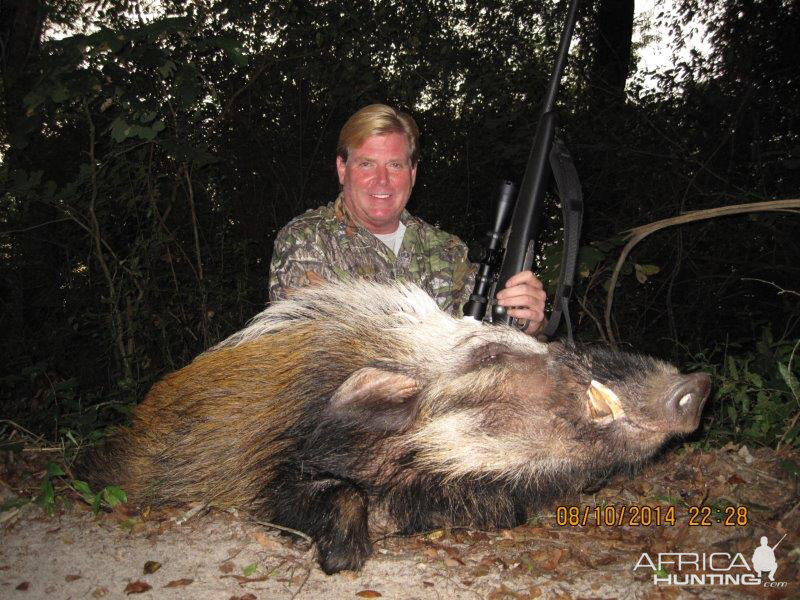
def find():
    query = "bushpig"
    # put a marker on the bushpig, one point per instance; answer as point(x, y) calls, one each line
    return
point(351, 400)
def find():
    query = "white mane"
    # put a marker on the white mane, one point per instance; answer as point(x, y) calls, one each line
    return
point(369, 309)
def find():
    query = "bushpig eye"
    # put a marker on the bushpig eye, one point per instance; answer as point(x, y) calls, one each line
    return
point(489, 353)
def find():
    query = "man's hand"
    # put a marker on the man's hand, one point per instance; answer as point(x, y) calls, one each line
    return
point(524, 297)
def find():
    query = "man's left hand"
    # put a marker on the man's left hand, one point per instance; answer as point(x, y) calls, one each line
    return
point(524, 296)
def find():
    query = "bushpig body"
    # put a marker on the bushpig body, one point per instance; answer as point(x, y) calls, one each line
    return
point(348, 399)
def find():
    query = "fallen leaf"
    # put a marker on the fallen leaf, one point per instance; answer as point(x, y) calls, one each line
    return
point(23, 587)
point(451, 562)
point(100, 592)
point(245, 597)
point(493, 560)
point(226, 567)
point(744, 453)
point(137, 527)
point(547, 559)
point(480, 571)
point(150, 567)
point(501, 593)
point(368, 594)
point(707, 459)
point(137, 587)
point(179, 583)
point(72, 577)
point(604, 559)
point(267, 542)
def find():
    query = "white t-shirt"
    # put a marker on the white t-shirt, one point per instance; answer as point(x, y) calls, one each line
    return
point(393, 240)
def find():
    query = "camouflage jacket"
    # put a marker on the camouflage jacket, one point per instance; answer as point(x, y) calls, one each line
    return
point(328, 243)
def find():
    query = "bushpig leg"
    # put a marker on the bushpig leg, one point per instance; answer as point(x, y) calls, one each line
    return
point(333, 512)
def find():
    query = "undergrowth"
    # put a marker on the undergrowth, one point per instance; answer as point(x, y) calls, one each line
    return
point(756, 394)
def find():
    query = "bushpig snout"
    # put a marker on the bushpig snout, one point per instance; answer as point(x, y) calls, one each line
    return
point(685, 401)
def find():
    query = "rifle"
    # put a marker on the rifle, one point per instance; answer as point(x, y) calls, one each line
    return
point(516, 253)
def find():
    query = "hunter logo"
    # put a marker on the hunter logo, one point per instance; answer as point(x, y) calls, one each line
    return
point(716, 568)
point(764, 557)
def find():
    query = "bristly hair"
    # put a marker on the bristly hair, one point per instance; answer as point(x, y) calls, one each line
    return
point(391, 320)
point(392, 303)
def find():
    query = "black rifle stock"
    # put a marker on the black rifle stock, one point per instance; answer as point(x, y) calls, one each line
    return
point(520, 243)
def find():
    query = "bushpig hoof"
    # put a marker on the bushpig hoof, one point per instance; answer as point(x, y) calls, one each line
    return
point(340, 528)
point(343, 555)
point(342, 535)
point(333, 512)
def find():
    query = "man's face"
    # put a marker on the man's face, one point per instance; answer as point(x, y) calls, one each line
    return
point(377, 180)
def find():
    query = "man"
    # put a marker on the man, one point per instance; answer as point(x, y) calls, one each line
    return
point(368, 233)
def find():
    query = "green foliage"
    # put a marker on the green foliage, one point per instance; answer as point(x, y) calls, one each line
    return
point(755, 399)
point(46, 497)
point(790, 467)
point(108, 497)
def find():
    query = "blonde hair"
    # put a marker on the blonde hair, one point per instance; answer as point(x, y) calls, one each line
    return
point(378, 119)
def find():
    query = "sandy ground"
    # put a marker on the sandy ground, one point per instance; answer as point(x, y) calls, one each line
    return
point(75, 554)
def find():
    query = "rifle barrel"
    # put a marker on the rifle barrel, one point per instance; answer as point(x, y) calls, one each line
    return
point(561, 58)
point(779, 541)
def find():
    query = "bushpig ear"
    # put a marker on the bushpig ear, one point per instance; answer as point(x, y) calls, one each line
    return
point(375, 399)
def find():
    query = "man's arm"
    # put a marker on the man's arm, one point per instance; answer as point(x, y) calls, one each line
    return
point(296, 263)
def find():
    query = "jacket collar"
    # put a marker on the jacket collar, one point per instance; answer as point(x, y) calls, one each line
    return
point(352, 224)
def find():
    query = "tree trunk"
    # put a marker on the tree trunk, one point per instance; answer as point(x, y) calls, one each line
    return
point(610, 46)
point(37, 262)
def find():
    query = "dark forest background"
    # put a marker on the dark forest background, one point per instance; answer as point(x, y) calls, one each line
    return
point(151, 150)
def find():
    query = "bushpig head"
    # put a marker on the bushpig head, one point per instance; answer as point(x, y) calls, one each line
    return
point(515, 412)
